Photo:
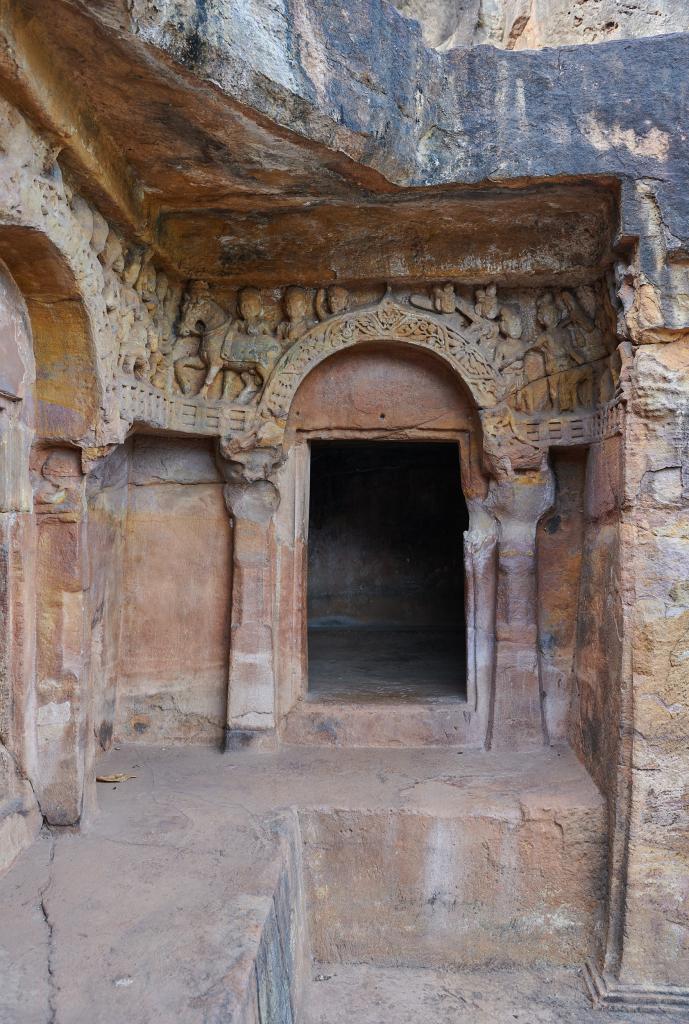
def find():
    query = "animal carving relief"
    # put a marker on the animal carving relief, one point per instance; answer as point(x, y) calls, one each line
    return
point(243, 349)
point(530, 356)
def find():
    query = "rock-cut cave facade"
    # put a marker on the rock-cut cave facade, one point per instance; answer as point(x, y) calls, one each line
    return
point(344, 376)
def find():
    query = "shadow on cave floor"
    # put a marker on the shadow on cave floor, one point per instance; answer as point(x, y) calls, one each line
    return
point(369, 665)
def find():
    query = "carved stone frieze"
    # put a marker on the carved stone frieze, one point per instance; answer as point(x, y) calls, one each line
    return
point(513, 440)
point(192, 357)
point(389, 320)
point(539, 364)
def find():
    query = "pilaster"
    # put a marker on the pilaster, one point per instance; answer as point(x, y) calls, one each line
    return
point(62, 636)
point(252, 499)
point(646, 961)
point(518, 502)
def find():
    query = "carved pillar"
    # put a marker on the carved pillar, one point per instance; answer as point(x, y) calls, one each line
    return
point(63, 739)
point(16, 577)
point(518, 502)
point(480, 545)
point(251, 500)
point(19, 815)
point(20, 819)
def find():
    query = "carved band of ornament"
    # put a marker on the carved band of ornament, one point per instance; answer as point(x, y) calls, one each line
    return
point(142, 403)
point(387, 321)
point(559, 431)
point(513, 434)
point(530, 391)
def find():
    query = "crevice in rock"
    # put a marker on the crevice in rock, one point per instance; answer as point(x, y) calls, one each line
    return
point(53, 987)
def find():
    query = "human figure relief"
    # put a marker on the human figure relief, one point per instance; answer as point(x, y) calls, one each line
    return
point(299, 315)
point(163, 315)
point(112, 260)
point(509, 348)
point(535, 395)
point(496, 328)
point(331, 301)
point(243, 348)
point(146, 288)
point(442, 299)
point(486, 302)
point(252, 321)
point(134, 354)
point(135, 348)
point(587, 335)
point(570, 379)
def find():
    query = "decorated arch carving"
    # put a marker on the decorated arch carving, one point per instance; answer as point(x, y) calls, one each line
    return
point(541, 366)
point(387, 321)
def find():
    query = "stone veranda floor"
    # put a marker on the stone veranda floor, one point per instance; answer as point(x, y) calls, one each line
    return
point(181, 899)
point(344, 993)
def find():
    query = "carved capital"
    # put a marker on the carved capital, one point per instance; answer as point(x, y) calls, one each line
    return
point(247, 459)
point(249, 492)
point(521, 500)
point(504, 451)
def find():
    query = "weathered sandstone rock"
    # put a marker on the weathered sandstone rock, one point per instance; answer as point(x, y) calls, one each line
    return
point(237, 233)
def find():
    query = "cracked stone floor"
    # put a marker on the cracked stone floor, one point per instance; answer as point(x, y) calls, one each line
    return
point(153, 912)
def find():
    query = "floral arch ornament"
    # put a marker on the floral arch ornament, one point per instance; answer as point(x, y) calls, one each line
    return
point(388, 321)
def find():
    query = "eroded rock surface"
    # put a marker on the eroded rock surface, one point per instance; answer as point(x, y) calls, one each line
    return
point(533, 24)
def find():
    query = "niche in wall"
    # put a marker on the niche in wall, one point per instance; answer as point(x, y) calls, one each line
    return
point(176, 595)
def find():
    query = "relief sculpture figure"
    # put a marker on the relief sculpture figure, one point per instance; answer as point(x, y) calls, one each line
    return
point(570, 377)
point(331, 301)
point(496, 328)
point(299, 315)
point(243, 348)
point(442, 299)
point(509, 348)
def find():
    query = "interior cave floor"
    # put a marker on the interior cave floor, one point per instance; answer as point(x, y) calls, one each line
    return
point(311, 886)
point(350, 664)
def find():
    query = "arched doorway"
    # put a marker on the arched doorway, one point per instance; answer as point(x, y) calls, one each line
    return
point(383, 448)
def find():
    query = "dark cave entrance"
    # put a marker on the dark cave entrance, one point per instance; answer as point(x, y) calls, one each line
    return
point(386, 571)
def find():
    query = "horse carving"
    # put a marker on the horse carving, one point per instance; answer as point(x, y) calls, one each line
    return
point(243, 347)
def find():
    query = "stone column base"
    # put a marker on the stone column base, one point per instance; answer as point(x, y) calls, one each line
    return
point(608, 994)
point(245, 739)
